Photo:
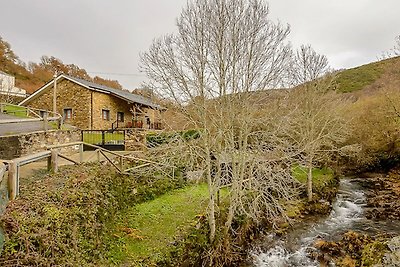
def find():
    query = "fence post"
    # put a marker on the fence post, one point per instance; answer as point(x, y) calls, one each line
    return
point(1, 108)
point(45, 122)
point(54, 161)
point(121, 163)
point(12, 180)
point(81, 153)
point(49, 163)
point(98, 155)
point(103, 138)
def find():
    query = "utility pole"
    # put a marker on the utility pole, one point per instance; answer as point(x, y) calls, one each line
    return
point(55, 94)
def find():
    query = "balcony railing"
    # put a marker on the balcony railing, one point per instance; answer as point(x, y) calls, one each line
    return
point(137, 124)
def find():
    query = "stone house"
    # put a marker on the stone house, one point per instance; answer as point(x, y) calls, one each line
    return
point(91, 106)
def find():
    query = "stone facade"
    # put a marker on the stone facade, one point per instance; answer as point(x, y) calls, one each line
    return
point(87, 107)
point(113, 105)
point(15, 146)
point(69, 96)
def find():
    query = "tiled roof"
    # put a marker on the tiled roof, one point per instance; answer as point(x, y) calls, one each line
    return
point(126, 95)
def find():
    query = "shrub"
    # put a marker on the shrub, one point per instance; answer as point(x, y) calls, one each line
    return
point(60, 219)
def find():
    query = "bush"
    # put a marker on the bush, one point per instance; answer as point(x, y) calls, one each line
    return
point(156, 139)
point(60, 220)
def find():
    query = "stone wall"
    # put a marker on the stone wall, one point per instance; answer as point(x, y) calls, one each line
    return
point(69, 96)
point(113, 104)
point(15, 146)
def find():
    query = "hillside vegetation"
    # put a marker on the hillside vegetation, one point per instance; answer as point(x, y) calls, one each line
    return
point(31, 76)
point(369, 76)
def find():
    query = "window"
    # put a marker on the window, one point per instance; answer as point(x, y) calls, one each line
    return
point(105, 114)
point(67, 113)
point(120, 116)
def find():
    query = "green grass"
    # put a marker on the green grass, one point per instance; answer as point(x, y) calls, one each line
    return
point(320, 176)
point(155, 224)
point(96, 138)
point(358, 78)
point(15, 111)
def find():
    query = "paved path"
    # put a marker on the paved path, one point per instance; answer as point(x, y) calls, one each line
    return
point(19, 127)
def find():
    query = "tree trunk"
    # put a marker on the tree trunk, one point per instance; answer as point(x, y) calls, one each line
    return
point(211, 193)
point(309, 181)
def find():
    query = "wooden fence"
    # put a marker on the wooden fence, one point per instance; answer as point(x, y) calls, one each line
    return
point(28, 114)
point(53, 155)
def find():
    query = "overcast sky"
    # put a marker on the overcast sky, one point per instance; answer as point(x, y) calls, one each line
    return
point(107, 36)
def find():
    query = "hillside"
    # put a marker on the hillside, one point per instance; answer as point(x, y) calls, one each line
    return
point(370, 77)
point(31, 76)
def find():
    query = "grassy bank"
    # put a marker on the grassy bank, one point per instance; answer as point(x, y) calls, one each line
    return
point(142, 234)
point(15, 111)
point(321, 176)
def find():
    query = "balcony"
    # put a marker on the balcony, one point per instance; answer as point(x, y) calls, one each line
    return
point(137, 124)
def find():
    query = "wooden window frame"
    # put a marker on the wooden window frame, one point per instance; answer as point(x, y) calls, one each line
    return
point(105, 114)
point(66, 111)
point(122, 116)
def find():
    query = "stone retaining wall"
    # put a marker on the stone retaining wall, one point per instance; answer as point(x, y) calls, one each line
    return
point(15, 146)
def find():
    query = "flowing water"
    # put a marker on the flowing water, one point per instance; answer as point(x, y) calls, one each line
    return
point(347, 214)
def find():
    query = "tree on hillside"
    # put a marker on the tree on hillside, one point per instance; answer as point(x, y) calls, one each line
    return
point(396, 49)
point(6, 53)
point(223, 53)
point(317, 126)
point(49, 65)
point(394, 52)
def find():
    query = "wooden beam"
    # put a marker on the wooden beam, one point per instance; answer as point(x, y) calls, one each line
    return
point(12, 180)
point(54, 161)
point(69, 159)
point(137, 167)
point(31, 158)
point(81, 153)
point(98, 154)
point(119, 170)
point(65, 145)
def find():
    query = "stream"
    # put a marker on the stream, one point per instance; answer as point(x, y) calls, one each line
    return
point(347, 215)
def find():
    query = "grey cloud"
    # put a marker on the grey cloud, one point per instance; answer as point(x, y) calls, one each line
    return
point(107, 36)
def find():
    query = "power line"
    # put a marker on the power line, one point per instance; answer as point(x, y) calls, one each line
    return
point(119, 74)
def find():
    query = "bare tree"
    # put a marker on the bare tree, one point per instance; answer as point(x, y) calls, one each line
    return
point(396, 49)
point(394, 52)
point(6, 94)
point(223, 53)
point(317, 127)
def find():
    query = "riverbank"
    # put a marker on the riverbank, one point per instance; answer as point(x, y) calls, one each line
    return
point(378, 242)
point(92, 215)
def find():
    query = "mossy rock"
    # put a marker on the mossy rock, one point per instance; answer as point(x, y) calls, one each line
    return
point(373, 253)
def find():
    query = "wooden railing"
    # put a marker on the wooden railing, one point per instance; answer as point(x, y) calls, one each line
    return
point(29, 115)
point(52, 155)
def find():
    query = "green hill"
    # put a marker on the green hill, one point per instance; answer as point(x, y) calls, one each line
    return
point(369, 76)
